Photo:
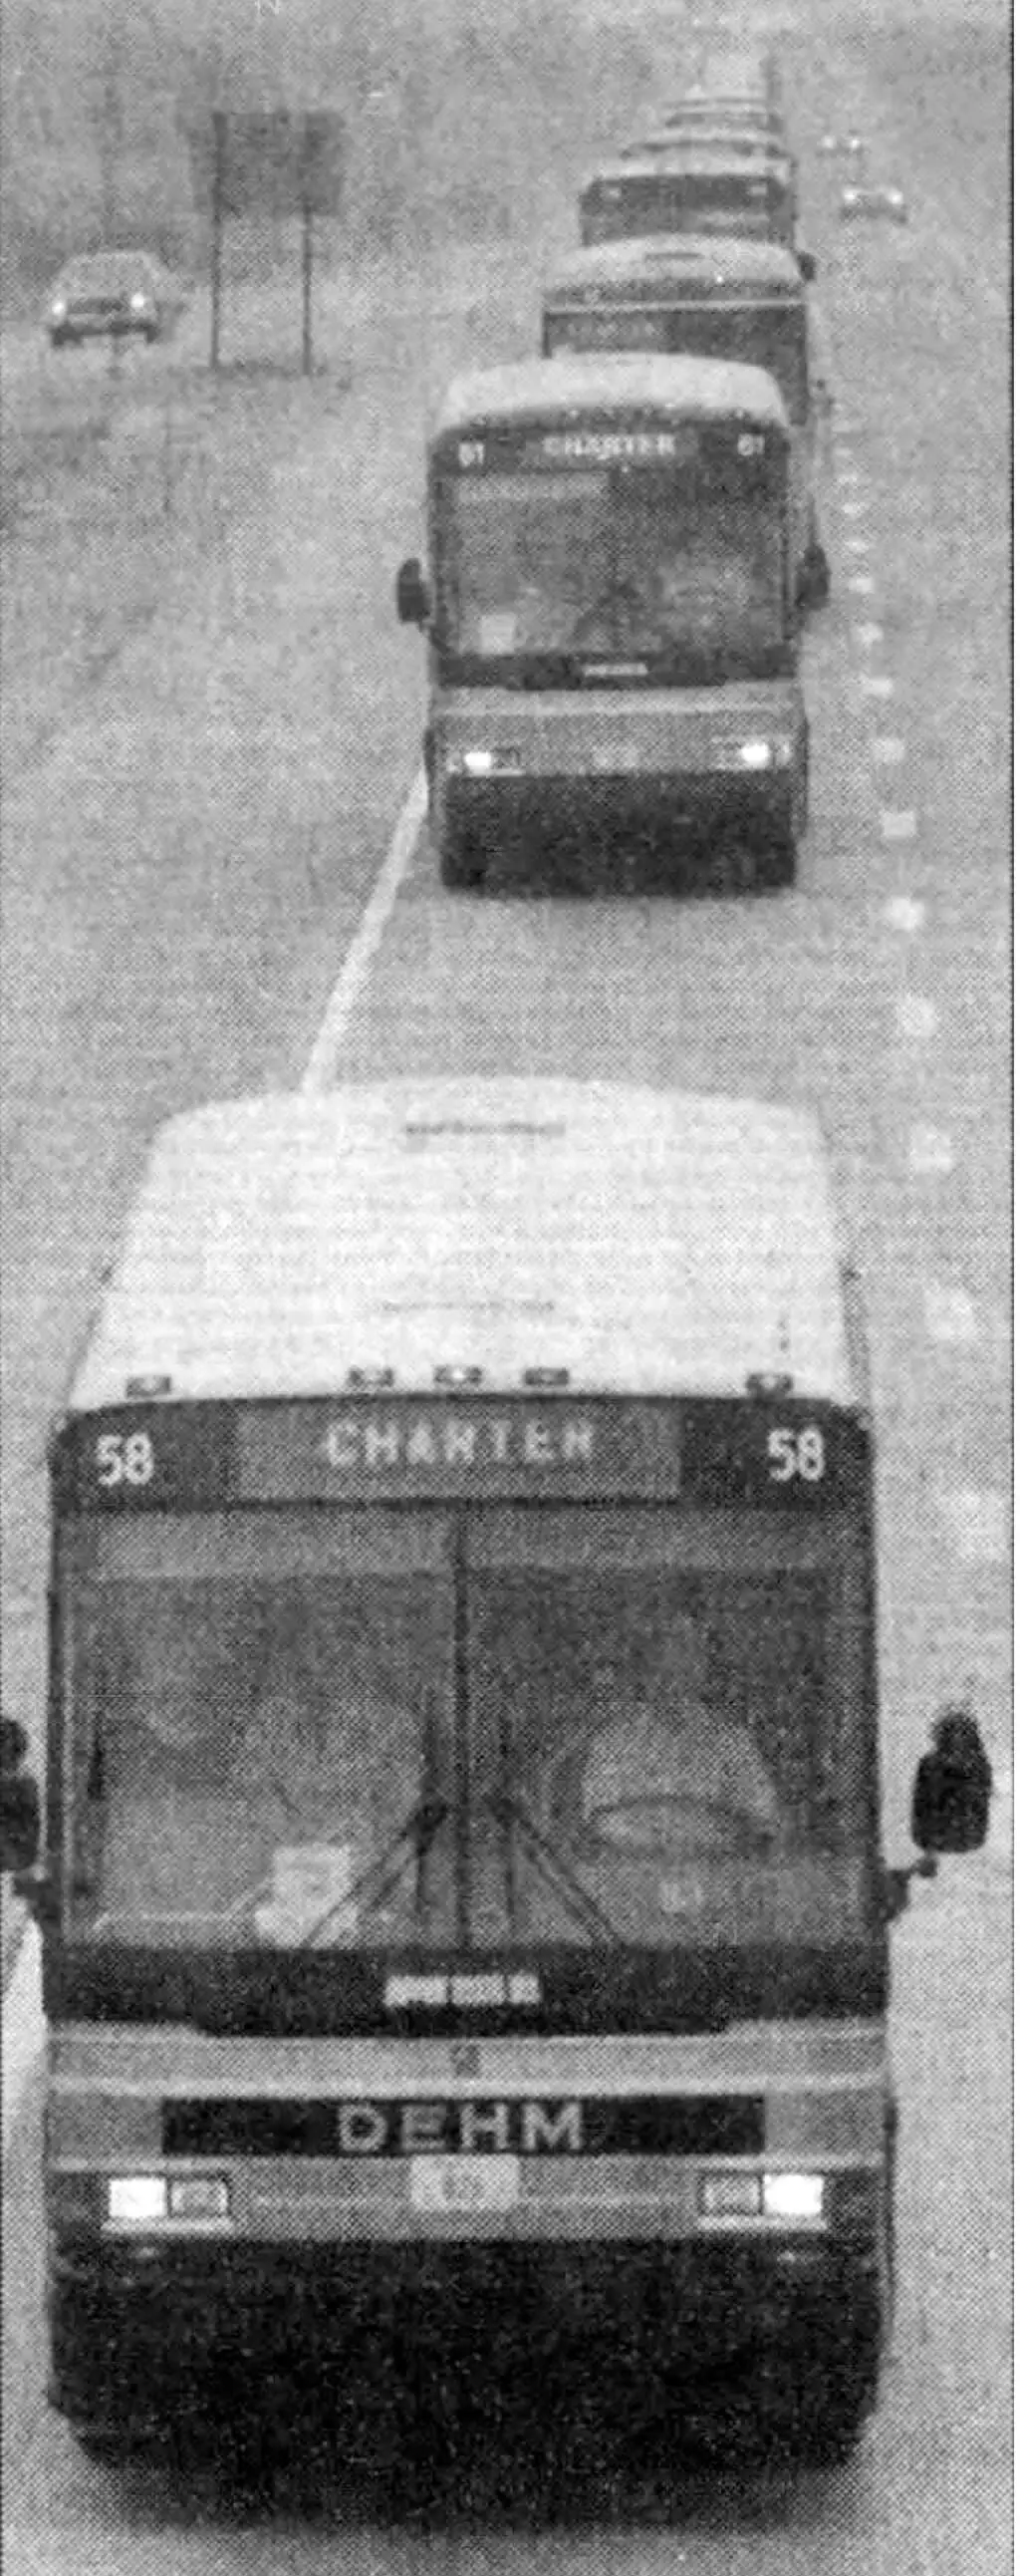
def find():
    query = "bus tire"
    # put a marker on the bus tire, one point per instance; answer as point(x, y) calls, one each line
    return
point(459, 868)
point(777, 865)
point(816, 2401)
point(815, 582)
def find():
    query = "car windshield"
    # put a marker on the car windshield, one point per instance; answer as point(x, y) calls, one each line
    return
point(682, 202)
point(108, 271)
point(681, 570)
point(772, 336)
point(353, 1730)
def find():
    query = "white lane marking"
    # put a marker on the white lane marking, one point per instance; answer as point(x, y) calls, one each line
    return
point(904, 912)
point(949, 1313)
point(320, 1070)
point(887, 750)
point(857, 545)
point(854, 509)
point(847, 475)
point(898, 827)
point(22, 2030)
point(929, 1149)
point(977, 1520)
point(861, 582)
point(876, 684)
point(868, 635)
point(916, 1016)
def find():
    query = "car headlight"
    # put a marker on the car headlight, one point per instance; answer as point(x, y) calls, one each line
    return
point(58, 307)
point(139, 302)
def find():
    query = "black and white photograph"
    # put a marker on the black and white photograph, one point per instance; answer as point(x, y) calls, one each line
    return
point(506, 1240)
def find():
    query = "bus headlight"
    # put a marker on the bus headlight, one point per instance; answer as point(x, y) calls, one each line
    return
point(137, 2197)
point(764, 755)
point(794, 2195)
point(730, 2195)
point(199, 2196)
point(483, 762)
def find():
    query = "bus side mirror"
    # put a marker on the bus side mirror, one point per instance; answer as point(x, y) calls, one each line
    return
point(412, 594)
point(953, 1788)
point(808, 266)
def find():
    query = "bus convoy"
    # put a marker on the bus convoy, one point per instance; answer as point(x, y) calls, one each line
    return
point(460, 1861)
point(621, 554)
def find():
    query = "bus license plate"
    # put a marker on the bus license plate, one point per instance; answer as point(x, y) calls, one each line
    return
point(464, 2184)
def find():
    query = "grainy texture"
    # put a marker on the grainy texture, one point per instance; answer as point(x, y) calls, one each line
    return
point(209, 723)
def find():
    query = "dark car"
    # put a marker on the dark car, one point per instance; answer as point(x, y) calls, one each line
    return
point(112, 294)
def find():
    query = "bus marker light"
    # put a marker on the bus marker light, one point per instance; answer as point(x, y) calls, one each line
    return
point(793, 2195)
point(199, 2196)
point(137, 2197)
point(730, 2195)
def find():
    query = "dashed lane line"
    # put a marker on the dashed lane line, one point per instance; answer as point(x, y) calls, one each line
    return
point(853, 509)
point(930, 1151)
point(863, 583)
point(916, 1016)
point(320, 1071)
point(868, 635)
point(857, 545)
point(905, 912)
point(949, 1313)
point(876, 684)
point(887, 750)
point(978, 1522)
point(898, 826)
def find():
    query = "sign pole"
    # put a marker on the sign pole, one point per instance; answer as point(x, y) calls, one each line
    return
point(306, 286)
point(219, 151)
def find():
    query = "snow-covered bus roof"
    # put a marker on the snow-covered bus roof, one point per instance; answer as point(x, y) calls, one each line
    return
point(668, 260)
point(645, 1242)
point(553, 389)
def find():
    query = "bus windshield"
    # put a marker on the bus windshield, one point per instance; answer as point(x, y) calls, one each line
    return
point(678, 568)
point(674, 201)
point(772, 336)
point(357, 1729)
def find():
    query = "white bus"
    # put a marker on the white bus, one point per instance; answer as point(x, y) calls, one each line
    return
point(462, 1864)
point(696, 296)
point(612, 614)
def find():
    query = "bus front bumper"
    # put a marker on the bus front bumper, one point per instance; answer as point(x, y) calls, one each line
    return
point(124, 2321)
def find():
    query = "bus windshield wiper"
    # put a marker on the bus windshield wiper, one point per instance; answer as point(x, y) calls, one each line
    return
point(412, 1842)
point(550, 1865)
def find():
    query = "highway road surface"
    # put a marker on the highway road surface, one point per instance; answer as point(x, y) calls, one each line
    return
point(216, 880)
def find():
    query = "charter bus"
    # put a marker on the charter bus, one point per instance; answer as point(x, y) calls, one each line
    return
point(737, 142)
point(462, 1865)
point(690, 191)
point(612, 617)
point(708, 297)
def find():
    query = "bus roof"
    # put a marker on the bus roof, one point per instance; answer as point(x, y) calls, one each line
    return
point(684, 158)
point(647, 1242)
point(741, 142)
point(562, 388)
point(669, 259)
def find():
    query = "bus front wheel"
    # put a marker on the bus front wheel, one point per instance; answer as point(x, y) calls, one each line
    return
point(459, 867)
point(815, 581)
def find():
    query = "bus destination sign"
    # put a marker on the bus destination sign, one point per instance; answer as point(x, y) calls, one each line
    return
point(711, 1453)
point(581, 444)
